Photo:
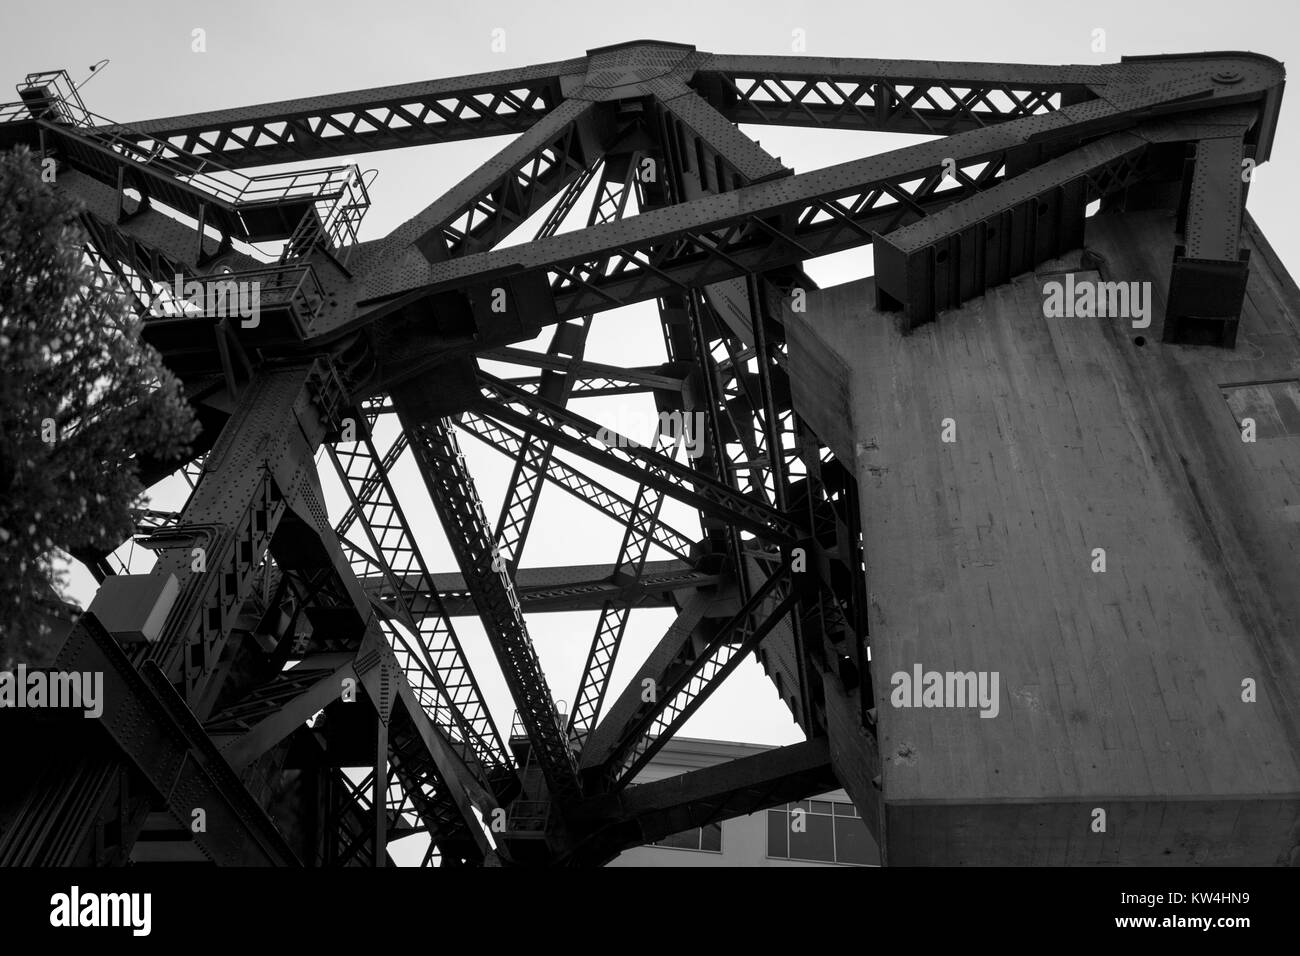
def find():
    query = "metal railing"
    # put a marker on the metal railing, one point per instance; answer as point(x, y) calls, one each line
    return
point(338, 193)
point(528, 816)
point(517, 728)
point(294, 287)
point(337, 220)
point(50, 94)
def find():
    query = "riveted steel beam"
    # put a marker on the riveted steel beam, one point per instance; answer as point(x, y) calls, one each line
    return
point(454, 497)
point(456, 108)
point(584, 437)
point(433, 656)
point(794, 218)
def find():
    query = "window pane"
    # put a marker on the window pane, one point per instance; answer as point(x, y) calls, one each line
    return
point(778, 834)
point(816, 843)
point(686, 840)
point(821, 806)
point(800, 805)
point(853, 843)
point(845, 809)
point(711, 837)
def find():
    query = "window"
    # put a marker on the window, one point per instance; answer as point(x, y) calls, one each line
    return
point(824, 831)
point(707, 838)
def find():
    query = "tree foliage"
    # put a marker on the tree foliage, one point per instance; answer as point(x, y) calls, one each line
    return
point(80, 396)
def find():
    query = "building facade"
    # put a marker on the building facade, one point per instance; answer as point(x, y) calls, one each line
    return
point(823, 831)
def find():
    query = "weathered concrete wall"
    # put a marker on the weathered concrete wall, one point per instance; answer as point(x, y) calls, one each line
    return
point(1119, 690)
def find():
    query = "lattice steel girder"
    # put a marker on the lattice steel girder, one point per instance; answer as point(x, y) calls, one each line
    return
point(461, 513)
point(608, 502)
point(581, 370)
point(628, 712)
point(376, 467)
point(680, 316)
point(847, 93)
point(769, 375)
point(387, 687)
point(584, 387)
point(455, 836)
point(416, 794)
point(568, 342)
point(685, 336)
point(799, 217)
point(524, 491)
point(489, 203)
point(740, 306)
point(578, 588)
point(620, 454)
point(317, 549)
point(748, 229)
point(365, 476)
point(613, 615)
point(931, 97)
point(314, 554)
point(450, 797)
point(693, 244)
point(897, 96)
point(389, 117)
point(652, 811)
point(682, 688)
point(376, 667)
point(686, 666)
point(739, 410)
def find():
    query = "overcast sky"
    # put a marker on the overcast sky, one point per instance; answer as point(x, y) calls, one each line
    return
point(261, 50)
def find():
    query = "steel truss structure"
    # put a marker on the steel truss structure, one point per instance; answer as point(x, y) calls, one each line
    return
point(232, 702)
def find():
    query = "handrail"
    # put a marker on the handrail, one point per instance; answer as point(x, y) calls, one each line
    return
point(60, 93)
point(236, 188)
point(339, 194)
point(518, 729)
point(295, 286)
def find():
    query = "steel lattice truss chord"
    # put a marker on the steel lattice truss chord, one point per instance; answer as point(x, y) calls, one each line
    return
point(311, 671)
